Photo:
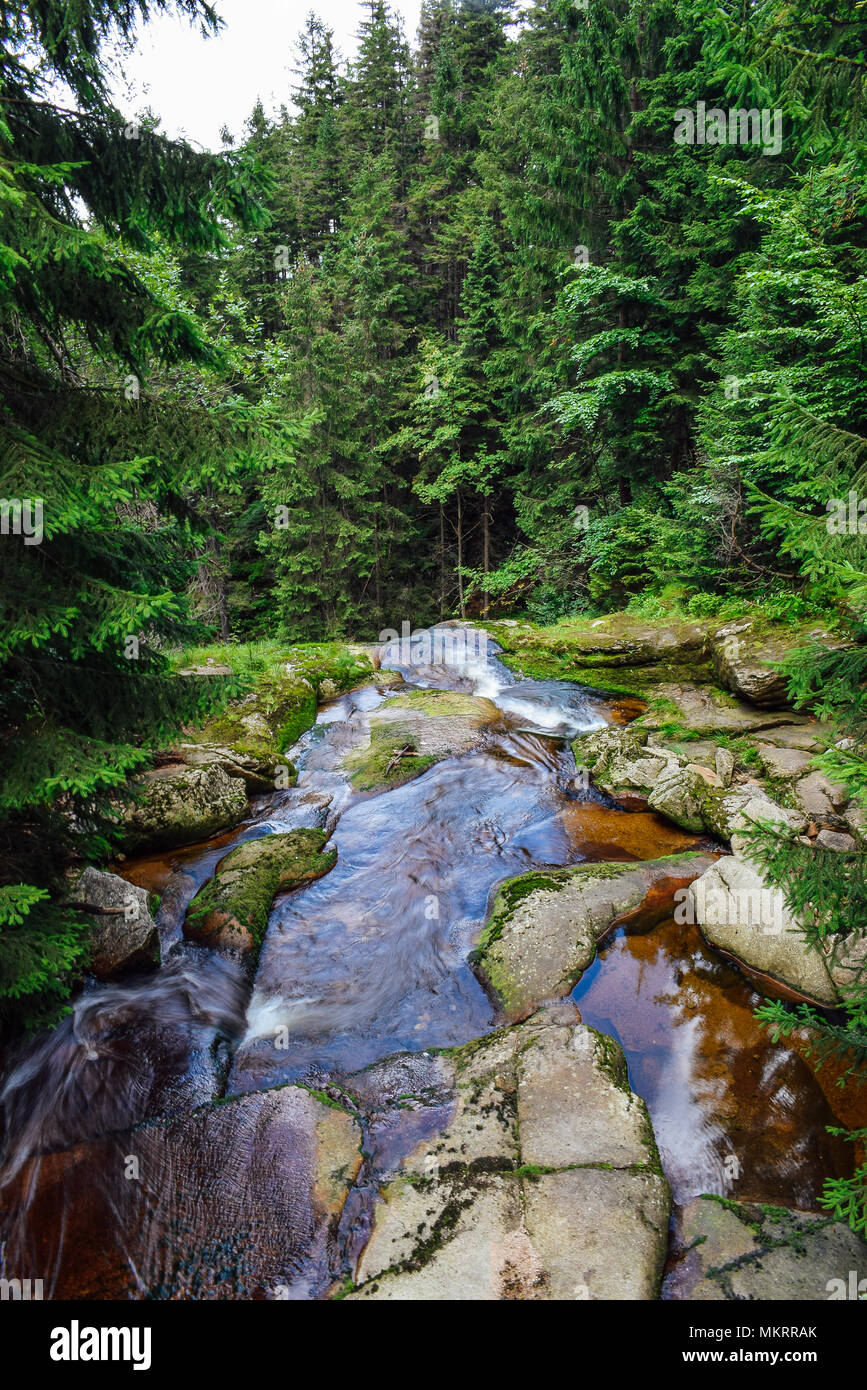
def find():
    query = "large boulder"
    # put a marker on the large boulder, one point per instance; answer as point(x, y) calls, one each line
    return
point(231, 911)
point(124, 935)
point(746, 659)
point(178, 805)
point(733, 813)
point(739, 913)
point(542, 1183)
point(260, 773)
point(730, 1250)
point(617, 640)
point(411, 731)
point(543, 929)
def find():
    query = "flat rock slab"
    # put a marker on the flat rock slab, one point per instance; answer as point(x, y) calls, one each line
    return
point(238, 1200)
point(783, 762)
point(736, 1251)
point(543, 928)
point(543, 1182)
point(704, 710)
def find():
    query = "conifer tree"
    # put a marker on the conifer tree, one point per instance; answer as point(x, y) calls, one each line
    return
point(93, 548)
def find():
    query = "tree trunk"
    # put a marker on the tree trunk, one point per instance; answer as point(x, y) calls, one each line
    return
point(461, 558)
point(442, 564)
point(486, 554)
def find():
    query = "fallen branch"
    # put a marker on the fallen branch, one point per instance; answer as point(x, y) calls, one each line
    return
point(407, 752)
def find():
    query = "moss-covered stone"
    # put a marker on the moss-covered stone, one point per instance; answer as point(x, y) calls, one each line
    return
point(543, 928)
point(177, 805)
point(412, 731)
point(735, 1251)
point(268, 720)
point(282, 704)
point(388, 760)
point(231, 911)
point(620, 653)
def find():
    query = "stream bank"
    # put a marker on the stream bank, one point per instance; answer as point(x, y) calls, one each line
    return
point(217, 1137)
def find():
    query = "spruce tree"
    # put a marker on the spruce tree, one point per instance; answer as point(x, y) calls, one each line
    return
point(94, 550)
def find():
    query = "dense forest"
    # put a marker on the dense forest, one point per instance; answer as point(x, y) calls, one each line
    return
point(553, 311)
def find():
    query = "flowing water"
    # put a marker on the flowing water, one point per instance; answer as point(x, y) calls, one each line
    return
point(120, 1179)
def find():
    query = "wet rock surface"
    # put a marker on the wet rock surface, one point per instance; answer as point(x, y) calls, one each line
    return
point(736, 1251)
point(237, 1201)
point(543, 1184)
point(413, 730)
point(543, 929)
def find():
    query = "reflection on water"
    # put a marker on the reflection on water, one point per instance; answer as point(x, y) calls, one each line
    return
point(367, 961)
point(372, 957)
point(733, 1112)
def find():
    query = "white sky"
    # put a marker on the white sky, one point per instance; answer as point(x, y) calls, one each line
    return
point(200, 85)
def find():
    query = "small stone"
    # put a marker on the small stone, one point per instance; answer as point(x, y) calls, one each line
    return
point(712, 779)
point(725, 766)
point(835, 839)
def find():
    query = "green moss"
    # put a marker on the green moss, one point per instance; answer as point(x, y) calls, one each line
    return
point(298, 716)
point(329, 661)
point(249, 878)
point(325, 1099)
point(437, 704)
point(377, 765)
point(573, 649)
point(609, 1057)
point(286, 683)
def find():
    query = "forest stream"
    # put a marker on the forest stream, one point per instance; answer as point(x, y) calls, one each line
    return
point(127, 1172)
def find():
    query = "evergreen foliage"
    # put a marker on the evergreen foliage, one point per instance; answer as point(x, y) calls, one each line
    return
point(462, 328)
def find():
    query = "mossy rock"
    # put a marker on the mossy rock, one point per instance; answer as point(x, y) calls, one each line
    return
point(412, 731)
point(231, 911)
point(267, 721)
point(620, 653)
point(282, 705)
point(390, 759)
point(544, 927)
point(178, 805)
